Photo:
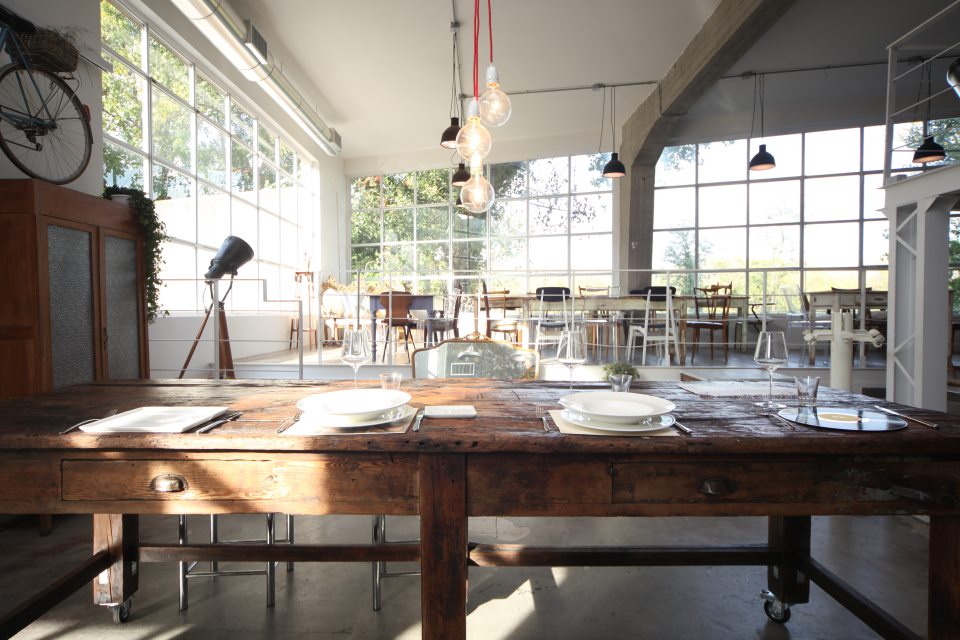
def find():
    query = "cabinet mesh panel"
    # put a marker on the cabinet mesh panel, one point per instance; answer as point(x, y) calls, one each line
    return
point(71, 306)
point(123, 336)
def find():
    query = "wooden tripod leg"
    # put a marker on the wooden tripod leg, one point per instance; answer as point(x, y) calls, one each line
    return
point(196, 341)
point(226, 353)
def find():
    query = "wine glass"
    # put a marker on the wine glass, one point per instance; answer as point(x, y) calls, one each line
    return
point(356, 350)
point(572, 350)
point(771, 354)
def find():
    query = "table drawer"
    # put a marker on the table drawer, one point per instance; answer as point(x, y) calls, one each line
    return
point(360, 479)
point(638, 482)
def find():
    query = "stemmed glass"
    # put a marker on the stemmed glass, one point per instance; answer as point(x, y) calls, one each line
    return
point(572, 350)
point(356, 350)
point(771, 354)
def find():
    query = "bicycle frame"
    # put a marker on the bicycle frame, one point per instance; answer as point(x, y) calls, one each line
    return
point(25, 120)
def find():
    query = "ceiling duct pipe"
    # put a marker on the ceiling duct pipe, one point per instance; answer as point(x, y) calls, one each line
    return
point(230, 36)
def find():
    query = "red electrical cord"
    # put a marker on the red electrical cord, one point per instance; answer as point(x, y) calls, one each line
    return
point(476, 47)
point(490, 28)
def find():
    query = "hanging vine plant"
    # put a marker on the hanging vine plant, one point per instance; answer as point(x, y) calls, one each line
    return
point(154, 234)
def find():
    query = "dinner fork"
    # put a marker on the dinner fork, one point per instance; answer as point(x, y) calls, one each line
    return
point(74, 427)
point(289, 422)
point(542, 414)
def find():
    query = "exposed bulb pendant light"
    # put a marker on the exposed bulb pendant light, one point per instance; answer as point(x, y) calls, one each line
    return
point(929, 151)
point(474, 138)
point(477, 194)
point(614, 168)
point(495, 105)
point(448, 139)
point(763, 160)
point(473, 141)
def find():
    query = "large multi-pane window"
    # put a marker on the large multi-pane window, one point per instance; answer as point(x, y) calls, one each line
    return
point(811, 222)
point(553, 217)
point(211, 164)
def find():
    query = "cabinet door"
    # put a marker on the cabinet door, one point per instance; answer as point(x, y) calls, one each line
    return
point(72, 321)
point(121, 337)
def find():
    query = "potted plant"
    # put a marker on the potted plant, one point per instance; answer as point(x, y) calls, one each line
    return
point(154, 234)
point(619, 368)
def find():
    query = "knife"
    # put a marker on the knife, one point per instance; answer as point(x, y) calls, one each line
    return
point(219, 421)
point(911, 418)
point(416, 421)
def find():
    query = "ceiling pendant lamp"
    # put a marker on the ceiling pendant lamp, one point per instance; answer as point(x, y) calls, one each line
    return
point(477, 194)
point(495, 105)
point(929, 151)
point(614, 168)
point(474, 139)
point(448, 140)
point(460, 176)
point(763, 160)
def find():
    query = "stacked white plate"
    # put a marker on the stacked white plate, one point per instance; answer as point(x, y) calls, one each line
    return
point(615, 411)
point(354, 408)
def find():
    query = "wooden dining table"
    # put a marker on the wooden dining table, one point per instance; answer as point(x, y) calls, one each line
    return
point(504, 462)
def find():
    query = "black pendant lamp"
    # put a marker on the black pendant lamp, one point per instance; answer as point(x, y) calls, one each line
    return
point(448, 140)
point(763, 160)
point(929, 151)
point(460, 176)
point(614, 168)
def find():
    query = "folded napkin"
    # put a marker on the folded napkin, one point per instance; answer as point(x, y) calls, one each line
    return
point(155, 420)
point(734, 389)
point(569, 428)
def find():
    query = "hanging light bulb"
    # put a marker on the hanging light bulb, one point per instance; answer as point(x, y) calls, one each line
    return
point(473, 139)
point(460, 176)
point(495, 106)
point(477, 194)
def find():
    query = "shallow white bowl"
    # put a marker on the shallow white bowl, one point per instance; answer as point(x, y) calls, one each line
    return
point(354, 405)
point(616, 407)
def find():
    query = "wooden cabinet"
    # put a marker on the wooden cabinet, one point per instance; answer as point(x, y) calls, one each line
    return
point(72, 303)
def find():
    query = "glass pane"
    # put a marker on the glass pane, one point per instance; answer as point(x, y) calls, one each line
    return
point(433, 257)
point(287, 158)
point(509, 179)
point(398, 190)
point(723, 161)
point(469, 225)
point(241, 124)
point(433, 186)
point(365, 259)
point(269, 189)
point(877, 279)
point(243, 217)
point(120, 31)
point(433, 223)
point(508, 218)
point(122, 168)
point(835, 151)
point(824, 280)
point(267, 143)
point(674, 208)
point(775, 246)
point(677, 165)
point(211, 102)
point(288, 198)
point(172, 130)
point(585, 172)
point(873, 196)
point(591, 213)
point(241, 173)
point(723, 206)
point(673, 249)
point(508, 254)
point(548, 215)
point(548, 254)
point(468, 257)
point(365, 193)
point(179, 263)
point(213, 216)
point(782, 290)
point(549, 176)
point(269, 237)
point(876, 242)
point(906, 137)
point(365, 227)
point(173, 194)
point(873, 147)
point(124, 93)
point(169, 69)
point(831, 199)
point(831, 245)
point(398, 225)
point(775, 202)
point(786, 150)
point(722, 248)
point(211, 154)
point(592, 252)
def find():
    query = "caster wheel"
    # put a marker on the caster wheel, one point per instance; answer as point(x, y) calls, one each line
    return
point(777, 611)
point(121, 612)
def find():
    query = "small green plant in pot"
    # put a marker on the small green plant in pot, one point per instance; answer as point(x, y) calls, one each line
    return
point(619, 368)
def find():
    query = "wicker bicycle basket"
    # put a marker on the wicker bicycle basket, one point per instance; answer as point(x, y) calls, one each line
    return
point(48, 50)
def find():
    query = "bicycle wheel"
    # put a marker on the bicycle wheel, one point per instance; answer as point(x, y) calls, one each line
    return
point(44, 128)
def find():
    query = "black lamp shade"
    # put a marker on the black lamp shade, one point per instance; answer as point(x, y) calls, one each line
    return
point(449, 138)
point(953, 75)
point(459, 201)
point(763, 160)
point(460, 176)
point(929, 151)
point(614, 168)
point(233, 254)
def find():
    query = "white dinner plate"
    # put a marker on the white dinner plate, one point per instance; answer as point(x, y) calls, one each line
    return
point(326, 420)
point(354, 405)
point(615, 407)
point(154, 420)
point(655, 424)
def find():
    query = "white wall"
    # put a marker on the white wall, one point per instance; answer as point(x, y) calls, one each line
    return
point(80, 18)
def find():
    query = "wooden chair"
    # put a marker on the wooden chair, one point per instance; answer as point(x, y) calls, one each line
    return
point(447, 321)
point(653, 330)
point(497, 300)
point(396, 306)
point(711, 313)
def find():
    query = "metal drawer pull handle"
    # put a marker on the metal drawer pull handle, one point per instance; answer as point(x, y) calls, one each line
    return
point(716, 487)
point(168, 483)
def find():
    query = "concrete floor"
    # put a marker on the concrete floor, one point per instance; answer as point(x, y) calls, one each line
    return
point(884, 557)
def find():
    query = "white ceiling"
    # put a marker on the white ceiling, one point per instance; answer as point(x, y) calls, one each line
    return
point(379, 70)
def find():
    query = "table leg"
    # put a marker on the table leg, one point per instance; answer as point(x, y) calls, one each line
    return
point(120, 535)
point(944, 590)
point(788, 534)
point(443, 546)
